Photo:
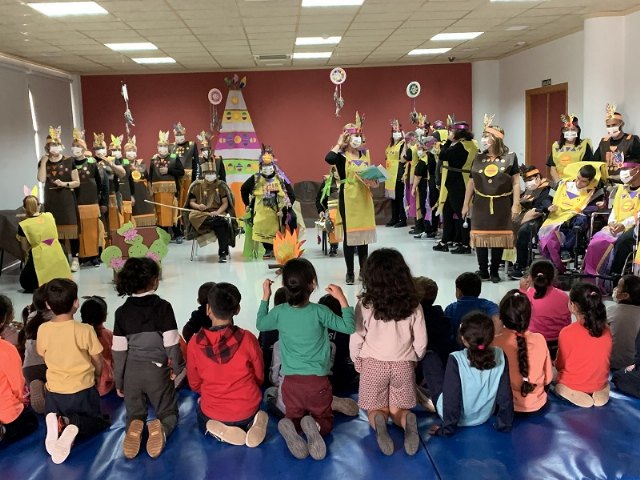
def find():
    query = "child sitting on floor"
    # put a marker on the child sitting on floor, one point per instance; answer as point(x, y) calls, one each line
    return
point(225, 368)
point(304, 343)
point(584, 349)
point(390, 338)
point(199, 318)
point(71, 351)
point(624, 321)
point(468, 289)
point(475, 382)
point(530, 366)
point(16, 419)
point(146, 356)
point(94, 312)
point(267, 340)
point(438, 324)
point(549, 305)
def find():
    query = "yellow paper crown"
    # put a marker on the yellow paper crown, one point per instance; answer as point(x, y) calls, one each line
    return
point(131, 144)
point(611, 112)
point(116, 142)
point(178, 129)
point(54, 134)
point(359, 120)
point(395, 125)
point(163, 137)
point(487, 120)
point(203, 138)
point(78, 134)
point(567, 120)
point(98, 140)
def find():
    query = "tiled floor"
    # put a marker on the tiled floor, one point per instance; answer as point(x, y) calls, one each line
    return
point(181, 277)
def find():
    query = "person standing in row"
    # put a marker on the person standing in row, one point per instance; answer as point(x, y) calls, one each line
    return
point(144, 213)
point(110, 174)
point(165, 173)
point(186, 152)
point(570, 148)
point(125, 182)
point(394, 188)
point(617, 146)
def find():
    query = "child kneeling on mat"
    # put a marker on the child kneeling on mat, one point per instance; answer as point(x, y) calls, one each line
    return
point(390, 337)
point(304, 343)
point(146, 356)
point(224, 365)
point(584, 350)
point(475, 382)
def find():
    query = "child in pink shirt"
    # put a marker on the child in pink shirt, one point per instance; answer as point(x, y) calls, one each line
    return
point(549, 305)
point(390, 337)
point(94, 312)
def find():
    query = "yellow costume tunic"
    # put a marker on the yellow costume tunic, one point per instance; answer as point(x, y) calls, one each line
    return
point(570, 202)
point(567, 155)
point(392, 161)
point(358, 203)
point(269, 199)
point(49, 259)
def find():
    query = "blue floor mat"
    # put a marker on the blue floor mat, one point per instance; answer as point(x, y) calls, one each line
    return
point(352, 454)
point(565, 442)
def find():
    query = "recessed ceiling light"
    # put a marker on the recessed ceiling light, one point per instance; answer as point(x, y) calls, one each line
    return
point(517, 28)
point(277, 64)
point(318, 40)
point(63, 9)
point(520, 44)
point(332, 3)
point(152, 60)
point(129, 47)
point(428, 51)
point(457, 36)
point(310, 55)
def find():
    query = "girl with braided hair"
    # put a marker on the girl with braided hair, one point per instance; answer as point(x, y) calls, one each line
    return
point(529, 361)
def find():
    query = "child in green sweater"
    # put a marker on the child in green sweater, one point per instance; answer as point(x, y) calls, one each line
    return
point(305, 351)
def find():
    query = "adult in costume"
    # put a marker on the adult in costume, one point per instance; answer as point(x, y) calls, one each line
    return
point(213, 201)
point(495, 188)
point(59, 177)
point(44, 257)
point(144, 214)
point(92, 195)
point(424, 164)
point(186, 152)
point(422, 130)
point(327, 206)
point(573, 200)
point(393, 187)
point(535, 202)
point(455, 159)
point(207, 155)
point(269, 198)
point(110, 173)
point(569, 148)
point(355, 206)
point(620, 227)
point(125, 183)
point(617, 147)
point(165, 172)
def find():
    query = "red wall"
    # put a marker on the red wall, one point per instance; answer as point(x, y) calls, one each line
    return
point(291, 110)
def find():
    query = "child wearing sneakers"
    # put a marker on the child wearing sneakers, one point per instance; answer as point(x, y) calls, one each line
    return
point(225, 367)
point(71, 351)
point(94, 312)
point(304, 344)
point(390, 338)
point(199, 318)
point(146, 356)
point(16, 419)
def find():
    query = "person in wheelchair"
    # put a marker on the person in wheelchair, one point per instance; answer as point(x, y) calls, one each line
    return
point(569, 213)
point(605, 244)
point(535, 200)
point(327, 206)
point(212, 204)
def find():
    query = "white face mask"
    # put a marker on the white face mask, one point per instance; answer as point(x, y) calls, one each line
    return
point(55, 150)
point(101, 152)
point(210, 177)
point(116, 153)
point(268, 170)
point(163, 151)
point(396, 135)
point(484, 144)
point(613, 130)
point(179, 138)
point(531, 185)
point(77, 151)
point(131, 154)
point(355, 142)
point(570, 135)
point(419, 132)
point(626, 176)
point(421, 153)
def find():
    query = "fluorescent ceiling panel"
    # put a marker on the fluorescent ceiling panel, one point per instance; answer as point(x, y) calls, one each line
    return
point(64, 9)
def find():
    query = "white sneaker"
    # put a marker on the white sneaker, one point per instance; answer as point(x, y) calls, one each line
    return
point(75, 264)
point(62, 448)
point(51, 420)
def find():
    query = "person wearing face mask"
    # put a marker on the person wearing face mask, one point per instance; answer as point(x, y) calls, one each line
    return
point(186, 152)
point(269, 198)
point(165, 172)
point(393, 187)
point(617, 146)
point(38, 236)
point(59, 177)
point(212, 199)
point(125, 185)
point(110, 173)
point(327, 206)
point(420, 187)
point(207, 155)
point(411, 156)
point(455, 159)
point(569, 148)
point(144, 214)
point(494, 187)
point(535, 200)
point(355, 200)
point(567, 218)
point(92, 195)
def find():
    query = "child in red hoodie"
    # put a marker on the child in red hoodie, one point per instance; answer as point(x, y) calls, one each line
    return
point(225, 366)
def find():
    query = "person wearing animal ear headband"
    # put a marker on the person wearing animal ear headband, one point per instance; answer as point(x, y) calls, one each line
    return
point(617, 147)
point(394, 187)
point(568, 149)
point(355, 200)
point(111, 172)
point(126, 184)
point(143, 213)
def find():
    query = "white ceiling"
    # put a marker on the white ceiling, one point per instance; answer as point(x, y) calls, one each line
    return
point(208, 35)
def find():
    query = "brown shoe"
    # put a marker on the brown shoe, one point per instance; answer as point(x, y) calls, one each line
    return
point(157, 438)
point(132, 439)
point(346, 406)
point(225, 433)
point(257, 432)
point(37, 396)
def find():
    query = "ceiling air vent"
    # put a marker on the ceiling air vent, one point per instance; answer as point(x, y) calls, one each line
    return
point(272, 58)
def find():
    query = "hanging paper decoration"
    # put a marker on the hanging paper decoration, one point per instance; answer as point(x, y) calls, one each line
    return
point(128, 117)
point(413, 91)
point(215, 99)
point(338, 77)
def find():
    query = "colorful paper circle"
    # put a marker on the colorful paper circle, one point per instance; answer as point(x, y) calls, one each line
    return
point(215, 96)
point(338, 76)
point(491, 170)
point(413, 89)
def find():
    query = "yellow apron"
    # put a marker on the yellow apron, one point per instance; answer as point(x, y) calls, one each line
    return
point(392, 160)
point(569, 201)
point(567, 155)
point(49, 259)
point(472, 149)
point(358, 203)
point(626, 203)
point(266, 221)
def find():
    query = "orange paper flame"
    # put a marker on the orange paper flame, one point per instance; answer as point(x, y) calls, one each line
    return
point(286, 246)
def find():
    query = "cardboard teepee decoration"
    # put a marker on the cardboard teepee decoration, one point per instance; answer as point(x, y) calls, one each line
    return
point(237, 142)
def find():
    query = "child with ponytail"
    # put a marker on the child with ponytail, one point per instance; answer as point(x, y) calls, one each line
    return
point(584, 349)
point(475, 383)
point(530, 367)
point(549, 305)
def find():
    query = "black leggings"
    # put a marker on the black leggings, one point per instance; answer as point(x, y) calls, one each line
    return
point(25, 424)
point(483, 259)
